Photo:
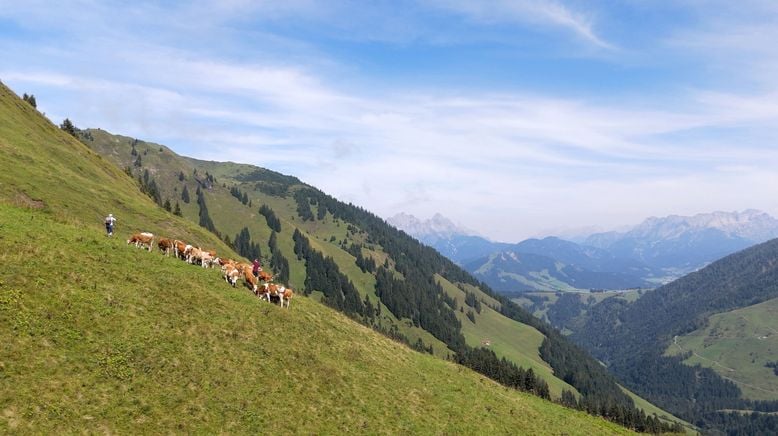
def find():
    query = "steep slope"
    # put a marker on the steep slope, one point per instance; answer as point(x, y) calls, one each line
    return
point(103, 337)
point(740, 345)
point(632, 338)
point(126, 341)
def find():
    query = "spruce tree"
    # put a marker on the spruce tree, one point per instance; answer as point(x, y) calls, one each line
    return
point(68, 127)
point(185, 195)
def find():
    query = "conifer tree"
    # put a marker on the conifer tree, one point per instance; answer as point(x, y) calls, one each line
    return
point(68, 127)
point(185, 195)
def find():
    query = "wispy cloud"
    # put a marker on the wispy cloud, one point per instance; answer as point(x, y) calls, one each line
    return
point(537, 12)
point(506, 160)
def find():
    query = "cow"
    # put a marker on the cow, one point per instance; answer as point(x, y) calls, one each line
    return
point(251, 281)
point(180, 249)
point(194, 254)
point(243, 267)
point(270, 290)
point(166, 245)
point(265, 276)
point(285, 294)
point(273, 291)
point(222, 261)
point(206, 259)
point(142, 239)
point(230, 274)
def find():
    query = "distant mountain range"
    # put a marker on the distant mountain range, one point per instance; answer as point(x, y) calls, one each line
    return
point(653, 252)
point(685, 244)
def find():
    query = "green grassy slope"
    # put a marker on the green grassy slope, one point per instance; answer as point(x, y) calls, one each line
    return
point(102, 337)
point(508, 338)
point(737, 345)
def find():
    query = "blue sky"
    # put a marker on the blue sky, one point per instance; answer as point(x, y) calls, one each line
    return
point(514, 118)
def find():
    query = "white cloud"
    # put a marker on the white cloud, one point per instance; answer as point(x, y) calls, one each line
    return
point(508, 163)
point(538, 12)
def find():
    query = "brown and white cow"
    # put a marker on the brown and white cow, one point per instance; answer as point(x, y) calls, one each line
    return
point(166, 246)
point(230, 274)
point(285, 294)
point(142, 239)
point(273, 291)
point(251, 281)
point(269, 290)
point(222, 261)
point(265, 276)
point(206, 258)
point(180, 249)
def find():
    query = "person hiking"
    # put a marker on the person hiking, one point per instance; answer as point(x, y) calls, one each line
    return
point(256, 267)
point(109, 223)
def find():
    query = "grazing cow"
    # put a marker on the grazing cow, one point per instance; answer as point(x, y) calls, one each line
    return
point(166, 246)
point(270, 290)
point(230, 274)
point(265, 276)
point(251, 281)
point(142, 239)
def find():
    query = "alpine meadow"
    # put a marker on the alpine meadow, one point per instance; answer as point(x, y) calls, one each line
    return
point(102, 336)
point(421, 217)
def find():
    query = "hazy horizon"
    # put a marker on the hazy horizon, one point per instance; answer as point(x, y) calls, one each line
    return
point(511, 117)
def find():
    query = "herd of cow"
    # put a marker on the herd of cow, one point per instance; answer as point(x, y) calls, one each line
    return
point(231, 270)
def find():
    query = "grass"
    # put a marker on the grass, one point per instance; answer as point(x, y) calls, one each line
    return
point(102, 337)
point(736, 345)
point(507, 338)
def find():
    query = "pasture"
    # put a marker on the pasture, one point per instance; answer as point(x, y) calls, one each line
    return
point(102, 337)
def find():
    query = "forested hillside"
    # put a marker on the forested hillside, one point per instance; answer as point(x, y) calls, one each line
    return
point(631, 338)
point(353, 261)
